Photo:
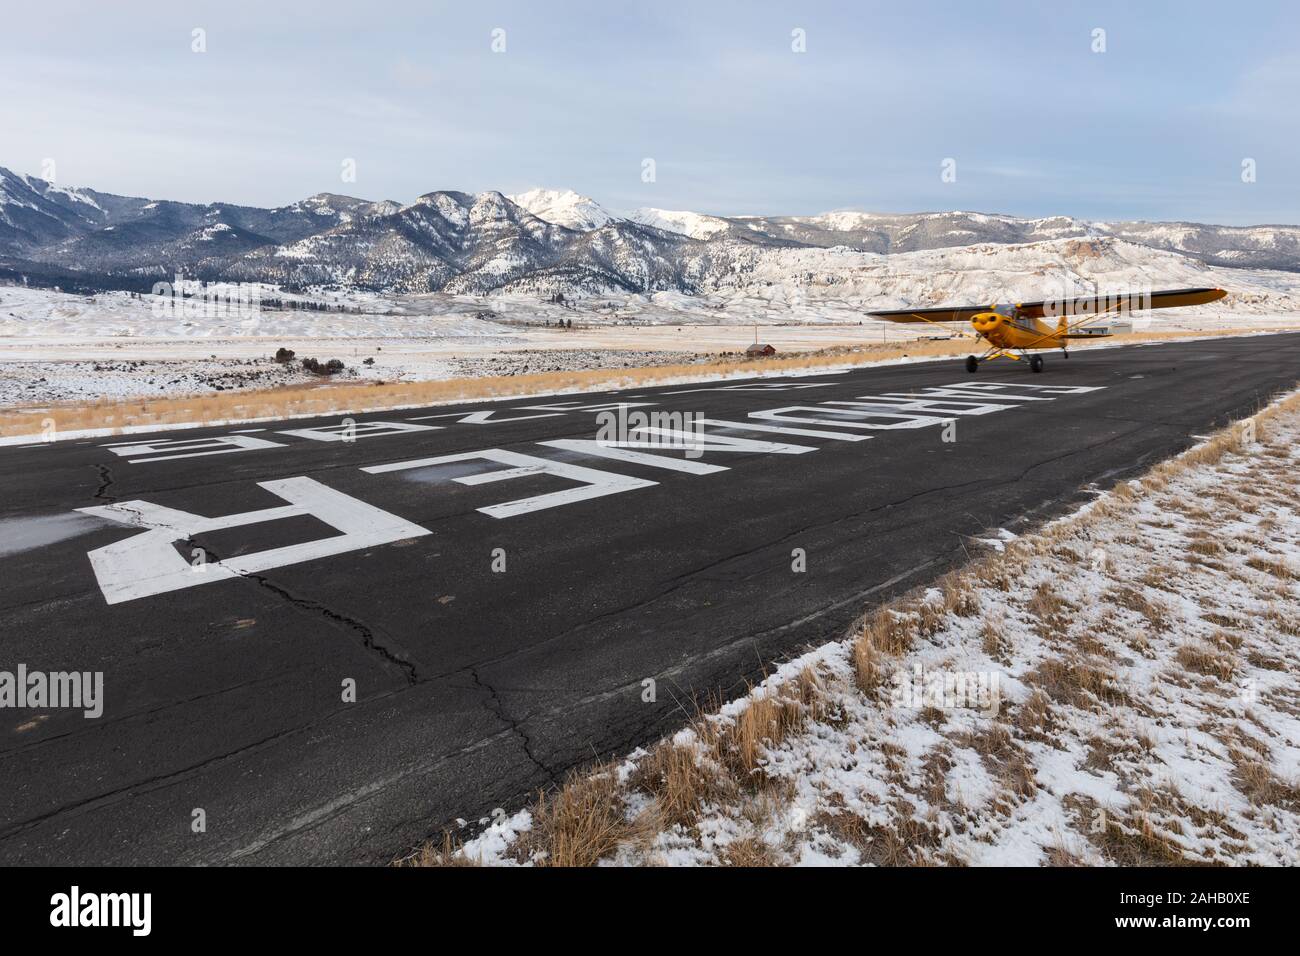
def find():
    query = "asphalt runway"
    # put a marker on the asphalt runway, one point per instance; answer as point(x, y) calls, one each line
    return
point(498, 611)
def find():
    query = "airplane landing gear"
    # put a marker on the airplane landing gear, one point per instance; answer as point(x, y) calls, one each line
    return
point(1035, 363)
point(972, 363)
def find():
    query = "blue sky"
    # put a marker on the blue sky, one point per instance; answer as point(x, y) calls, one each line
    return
point(1156, 127)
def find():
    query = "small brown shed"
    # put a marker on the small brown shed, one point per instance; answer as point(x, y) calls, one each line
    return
point(760, 348)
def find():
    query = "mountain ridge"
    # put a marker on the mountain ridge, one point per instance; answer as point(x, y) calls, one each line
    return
point(480, 243)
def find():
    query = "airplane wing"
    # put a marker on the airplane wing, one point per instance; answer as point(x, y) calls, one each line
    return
point(947, 314)
point(1083, 307)
point(1119, 302)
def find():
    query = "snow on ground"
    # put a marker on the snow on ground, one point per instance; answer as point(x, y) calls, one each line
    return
point(1117, 688)
point(57, 316)
point(804, 299)
point(28, 383)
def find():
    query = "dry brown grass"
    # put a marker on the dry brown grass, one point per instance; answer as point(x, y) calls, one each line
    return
point(1204, 659)
point(582, 822)
point(1133, 599)
point(1261, 786)
point(993, 574)
point(1034, 717)
point(445, 853)
point(766, 722)
point(1076, 681)
point(993, 639)
point(1050, 610)
point(1279, 569)
point(1207, 547)
point(727, 757)
point(1059, 856)
point(750, 852)
point(679, 782)
point(868, 665)
point(959, 595)
point(1005, 760)
point(1278, 619)
point(906, 841)
point(891, 630)
point(1132, 838)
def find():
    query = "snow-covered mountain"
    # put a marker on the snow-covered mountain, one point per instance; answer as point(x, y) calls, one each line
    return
point(693, 224)
point(461, 243)
point(85, 231)
point(891, 233)
point(564, 207)
point(1255, 247)
point(548, 241)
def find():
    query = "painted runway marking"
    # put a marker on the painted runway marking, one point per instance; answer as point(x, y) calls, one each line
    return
point(896, 421)
point(347, 432)
point(783, 430)
point(939, 406)
point(678, 441)
point(147, 564)
point(158, 450)
point(765, 387)
point(579, 407)
point(483, 418)
point(595, 483)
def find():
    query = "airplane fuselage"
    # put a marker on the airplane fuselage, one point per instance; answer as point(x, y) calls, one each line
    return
point(1012, 331)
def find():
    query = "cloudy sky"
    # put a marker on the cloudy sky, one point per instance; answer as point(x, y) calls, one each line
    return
point(1157, 126)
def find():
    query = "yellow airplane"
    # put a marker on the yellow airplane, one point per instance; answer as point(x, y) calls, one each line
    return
point(1011, 329)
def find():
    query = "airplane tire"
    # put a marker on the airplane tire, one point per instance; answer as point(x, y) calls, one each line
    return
point(972, 363)
point(1035, 363)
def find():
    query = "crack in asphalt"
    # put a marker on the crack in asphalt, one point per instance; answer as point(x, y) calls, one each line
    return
point(307, 604)
point(367, 634)
point(497, 706)
point(105, 482)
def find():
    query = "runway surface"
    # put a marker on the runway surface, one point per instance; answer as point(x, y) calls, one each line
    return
point(320, 642)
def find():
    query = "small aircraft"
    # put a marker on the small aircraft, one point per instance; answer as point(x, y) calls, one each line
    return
point(1019, 328)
